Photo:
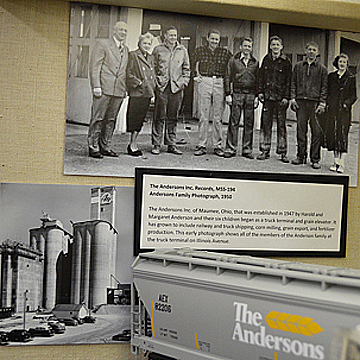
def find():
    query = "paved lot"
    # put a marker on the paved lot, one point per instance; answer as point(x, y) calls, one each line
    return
point(100, 332)
point(77, 161)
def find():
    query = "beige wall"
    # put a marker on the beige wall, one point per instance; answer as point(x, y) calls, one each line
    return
point(33, 72)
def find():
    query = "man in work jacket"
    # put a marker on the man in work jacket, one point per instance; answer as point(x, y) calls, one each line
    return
point(241, 89)
point(172, 70)
point(107, 71)
point(308, 99)
point(274, 93)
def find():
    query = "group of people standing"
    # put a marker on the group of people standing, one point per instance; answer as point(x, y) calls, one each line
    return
point(319, 99)
point(160, 76)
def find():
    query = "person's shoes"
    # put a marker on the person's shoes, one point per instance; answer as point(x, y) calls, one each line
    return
point(95, 154)
point(181, 142)
point(263, 156)
point(155, 150)
point(340, 169)
point(334, 167)
point(174, 150)
point(284, 159)
point(219, 152)
point(229, 154)
point(298, 161)
point(200, 151)
point(316, 166)
point(133, 152)
point(109, 153)
point(248, 155)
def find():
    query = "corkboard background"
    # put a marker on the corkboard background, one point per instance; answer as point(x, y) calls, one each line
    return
point(33, 73)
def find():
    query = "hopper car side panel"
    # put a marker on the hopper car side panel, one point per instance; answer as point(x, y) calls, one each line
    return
point(198, 310)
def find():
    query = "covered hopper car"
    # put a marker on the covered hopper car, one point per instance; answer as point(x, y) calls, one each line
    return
point(192, 305)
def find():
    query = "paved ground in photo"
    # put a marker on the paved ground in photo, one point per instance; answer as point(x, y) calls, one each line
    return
point(100, 332)
point(77, 161)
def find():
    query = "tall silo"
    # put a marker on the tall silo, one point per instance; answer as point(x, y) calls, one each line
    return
point(49, 240)
point(92, 261)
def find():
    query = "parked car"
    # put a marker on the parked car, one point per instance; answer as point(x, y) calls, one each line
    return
point(4, 338)
point(57, 326)
point(125, 335)
point(19, 335)
point(89, 319)
point(69, 321)
point(79, 320)
point(41, 331)
point(42, 318)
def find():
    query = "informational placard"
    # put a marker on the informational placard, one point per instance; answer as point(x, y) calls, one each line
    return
point(241, 212)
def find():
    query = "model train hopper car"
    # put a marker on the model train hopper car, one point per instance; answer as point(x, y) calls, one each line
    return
point(192, 305)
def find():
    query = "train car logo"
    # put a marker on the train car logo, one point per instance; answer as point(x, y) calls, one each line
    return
point(293, 323)
point(249, 328)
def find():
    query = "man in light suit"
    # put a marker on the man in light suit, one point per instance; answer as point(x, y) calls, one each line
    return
point(107, 69)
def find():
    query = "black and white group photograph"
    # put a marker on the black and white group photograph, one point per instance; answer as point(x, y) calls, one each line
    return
point(156, 89)
point(65, 253)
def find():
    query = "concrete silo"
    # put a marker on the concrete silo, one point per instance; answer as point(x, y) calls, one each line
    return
point(93, 261)
point(49, 239)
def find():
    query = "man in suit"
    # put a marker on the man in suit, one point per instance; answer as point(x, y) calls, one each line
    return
point(107, 69)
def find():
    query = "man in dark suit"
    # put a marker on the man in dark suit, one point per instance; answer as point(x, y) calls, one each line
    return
point(107, 69)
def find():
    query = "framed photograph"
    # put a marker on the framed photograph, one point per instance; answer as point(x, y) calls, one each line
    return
point(207, 130)
point(66, 254)
point(244, 213)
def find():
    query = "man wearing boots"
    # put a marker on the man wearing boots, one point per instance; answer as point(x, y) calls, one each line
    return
point(274, 93)
point(241, 88)
point(309, 86)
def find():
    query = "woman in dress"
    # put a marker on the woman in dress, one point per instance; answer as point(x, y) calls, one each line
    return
point(341, 97)
point(140, 80)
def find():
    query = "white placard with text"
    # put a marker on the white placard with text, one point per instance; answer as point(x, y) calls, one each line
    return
point(240, 214)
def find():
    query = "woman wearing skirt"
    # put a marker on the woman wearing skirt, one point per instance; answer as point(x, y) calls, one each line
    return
point(341, 97)
point(140, 82)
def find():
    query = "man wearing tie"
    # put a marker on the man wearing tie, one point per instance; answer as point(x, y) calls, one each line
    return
point(107, 70)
